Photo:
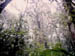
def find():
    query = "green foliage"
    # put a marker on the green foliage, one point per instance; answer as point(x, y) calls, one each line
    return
point(52, 52)
point(11, 43)
point(56, 51)
point(57, 46)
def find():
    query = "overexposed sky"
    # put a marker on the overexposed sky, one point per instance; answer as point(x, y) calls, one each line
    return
point(16, 6)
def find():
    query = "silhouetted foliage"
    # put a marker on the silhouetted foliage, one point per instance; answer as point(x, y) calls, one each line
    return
point(11, 43)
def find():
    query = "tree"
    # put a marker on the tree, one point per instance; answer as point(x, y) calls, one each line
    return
point(48, 17)
point(3, 4)
point(71, 12)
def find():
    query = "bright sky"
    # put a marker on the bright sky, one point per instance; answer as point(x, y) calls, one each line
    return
point(17, 6)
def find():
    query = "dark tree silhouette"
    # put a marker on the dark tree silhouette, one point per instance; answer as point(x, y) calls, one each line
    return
point(70, 5)
point(3, 5)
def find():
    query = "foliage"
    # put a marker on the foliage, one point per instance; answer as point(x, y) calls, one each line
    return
point(11, 43)
point(56, 51)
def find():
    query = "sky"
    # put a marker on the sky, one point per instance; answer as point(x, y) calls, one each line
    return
point(18, 6)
